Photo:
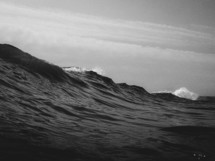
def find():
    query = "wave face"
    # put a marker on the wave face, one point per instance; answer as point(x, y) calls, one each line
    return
point(47, 113)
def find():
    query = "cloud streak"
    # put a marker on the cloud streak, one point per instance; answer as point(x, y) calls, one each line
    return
point(67, 27)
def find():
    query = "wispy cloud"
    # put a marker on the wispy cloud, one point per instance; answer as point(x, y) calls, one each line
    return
point(40, 25)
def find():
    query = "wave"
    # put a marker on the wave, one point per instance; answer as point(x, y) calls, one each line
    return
point(181, 93)
point(185, 93)
point(52, 113)
point(55, 73)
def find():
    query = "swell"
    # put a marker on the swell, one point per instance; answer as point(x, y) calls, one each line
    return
point(49, 114)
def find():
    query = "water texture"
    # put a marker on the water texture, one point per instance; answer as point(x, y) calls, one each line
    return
point(49, 114)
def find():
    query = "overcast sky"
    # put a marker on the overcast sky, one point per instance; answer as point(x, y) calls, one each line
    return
point(157, 44)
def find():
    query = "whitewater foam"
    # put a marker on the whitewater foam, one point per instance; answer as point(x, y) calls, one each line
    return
point(74, 69)
point(185, 93)
point(96, 69)
point(182, 93)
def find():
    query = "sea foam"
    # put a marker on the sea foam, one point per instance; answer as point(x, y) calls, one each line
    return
point(96, 69)
point(182, 93)
point(185, 93)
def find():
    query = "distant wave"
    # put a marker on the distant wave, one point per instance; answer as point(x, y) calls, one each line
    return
point(185, 93)
point(181, 92)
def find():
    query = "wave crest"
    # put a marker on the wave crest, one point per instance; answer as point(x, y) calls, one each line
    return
point(96, 69)
point(74, 69)
point(181, 92)
point(30, 63)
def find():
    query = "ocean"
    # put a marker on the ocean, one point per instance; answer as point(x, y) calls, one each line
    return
point(48, 113)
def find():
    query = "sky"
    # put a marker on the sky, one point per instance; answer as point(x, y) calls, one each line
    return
point(157, 44)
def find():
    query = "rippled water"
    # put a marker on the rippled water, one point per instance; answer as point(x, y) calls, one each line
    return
point(49, 114)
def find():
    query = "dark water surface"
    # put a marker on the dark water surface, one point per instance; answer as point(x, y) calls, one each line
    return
point(47, 114)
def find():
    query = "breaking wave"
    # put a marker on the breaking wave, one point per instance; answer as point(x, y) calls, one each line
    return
point(97, 70)
point(185, 93)
point(75, 69)
point(181, 92)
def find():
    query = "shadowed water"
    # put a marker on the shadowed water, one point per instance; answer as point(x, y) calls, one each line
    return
point(47, 114)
